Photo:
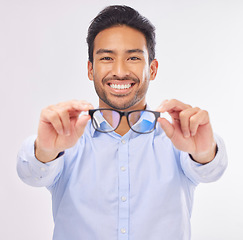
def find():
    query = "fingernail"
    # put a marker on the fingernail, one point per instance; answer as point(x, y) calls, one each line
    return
point(187, 135)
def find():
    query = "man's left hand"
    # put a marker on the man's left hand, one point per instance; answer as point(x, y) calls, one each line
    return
point(190, 130)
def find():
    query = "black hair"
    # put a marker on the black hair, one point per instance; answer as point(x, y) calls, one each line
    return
point(121, 15)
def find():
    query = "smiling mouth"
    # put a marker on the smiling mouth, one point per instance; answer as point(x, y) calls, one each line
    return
point(121, 86)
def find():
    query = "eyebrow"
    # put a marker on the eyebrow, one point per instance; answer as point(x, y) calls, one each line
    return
point(137, 50)
point(102, 50)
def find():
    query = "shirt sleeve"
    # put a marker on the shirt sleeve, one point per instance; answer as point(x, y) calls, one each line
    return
point(204, 173)
point(32, 171)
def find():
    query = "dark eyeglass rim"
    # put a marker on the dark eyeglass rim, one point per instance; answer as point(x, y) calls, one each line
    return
point(126, 114)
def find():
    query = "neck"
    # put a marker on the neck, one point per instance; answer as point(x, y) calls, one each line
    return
point(123, 127)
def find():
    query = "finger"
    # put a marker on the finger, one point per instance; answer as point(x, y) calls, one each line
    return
point(167, 127)
point(76, 105)
point(172, 113)
point(81, 105)
point(51, 117)
point(161, 105)
point(201, 118)
point(64, 116)
point(173, 105)
point(185, 118)
point(59, 115)
point(81, 124)
point(70, 110)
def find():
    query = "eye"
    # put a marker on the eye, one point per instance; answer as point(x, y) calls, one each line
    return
point(106, 59)
point(134, 58)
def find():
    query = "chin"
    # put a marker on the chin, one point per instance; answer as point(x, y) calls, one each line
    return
point(119, 105)
point(119, 102)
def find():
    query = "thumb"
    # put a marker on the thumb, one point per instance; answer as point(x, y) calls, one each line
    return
point(167, 127)
point(81, 124)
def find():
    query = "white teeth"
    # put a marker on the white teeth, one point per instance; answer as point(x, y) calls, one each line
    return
point(120, 86)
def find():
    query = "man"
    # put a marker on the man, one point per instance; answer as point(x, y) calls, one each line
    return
point(120, 175)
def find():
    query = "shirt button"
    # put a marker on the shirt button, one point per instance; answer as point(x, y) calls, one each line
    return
point(43, 169)
point(123, 198)
point(123, 141)
point(123, 168)
point(123, 230)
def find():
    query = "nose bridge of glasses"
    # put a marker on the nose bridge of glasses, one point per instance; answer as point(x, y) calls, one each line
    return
point(123, 117)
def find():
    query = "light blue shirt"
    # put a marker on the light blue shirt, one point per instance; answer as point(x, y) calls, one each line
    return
point(112, 187)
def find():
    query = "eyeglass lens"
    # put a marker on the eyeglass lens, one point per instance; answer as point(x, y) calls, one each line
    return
point(112, 120)
point(141, 124)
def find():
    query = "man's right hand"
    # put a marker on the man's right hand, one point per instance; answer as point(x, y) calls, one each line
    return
point(60, 127)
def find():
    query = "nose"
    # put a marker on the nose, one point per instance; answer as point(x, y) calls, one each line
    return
point(120, 69)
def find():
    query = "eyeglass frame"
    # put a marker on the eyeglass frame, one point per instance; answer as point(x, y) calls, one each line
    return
point(126, 114)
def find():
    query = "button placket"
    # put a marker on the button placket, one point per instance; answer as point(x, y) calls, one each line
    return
point(123, 189)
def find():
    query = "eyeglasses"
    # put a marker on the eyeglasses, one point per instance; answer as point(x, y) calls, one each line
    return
point(107, 120)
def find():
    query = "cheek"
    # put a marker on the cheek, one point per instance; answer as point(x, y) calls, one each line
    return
point(100, 72)
point(145, 73)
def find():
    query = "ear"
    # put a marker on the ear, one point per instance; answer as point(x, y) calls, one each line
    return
point(90, 71)
point(153, 69)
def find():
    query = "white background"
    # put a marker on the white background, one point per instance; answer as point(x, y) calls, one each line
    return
point(43, 59)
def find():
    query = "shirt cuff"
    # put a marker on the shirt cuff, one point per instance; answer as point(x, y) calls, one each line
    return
point(208, 172)
point(34, 172)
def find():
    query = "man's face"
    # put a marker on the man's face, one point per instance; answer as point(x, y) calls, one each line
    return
point(120, 69)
